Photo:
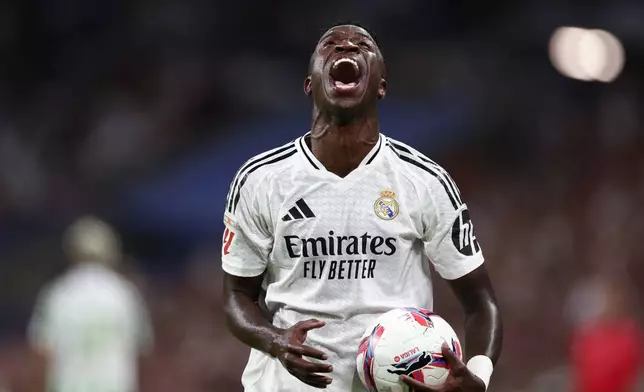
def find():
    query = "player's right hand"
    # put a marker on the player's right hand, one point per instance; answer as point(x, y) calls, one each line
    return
point(289, 348)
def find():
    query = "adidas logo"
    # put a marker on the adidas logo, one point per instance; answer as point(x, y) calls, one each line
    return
point(300, 211)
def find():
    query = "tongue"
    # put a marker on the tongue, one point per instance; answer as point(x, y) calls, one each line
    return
point(345, 72)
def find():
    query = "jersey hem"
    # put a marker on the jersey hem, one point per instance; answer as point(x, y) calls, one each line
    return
point(241, 272)
point(465, 269)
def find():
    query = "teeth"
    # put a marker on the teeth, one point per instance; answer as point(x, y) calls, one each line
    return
point(345, 86)
point(346, 60)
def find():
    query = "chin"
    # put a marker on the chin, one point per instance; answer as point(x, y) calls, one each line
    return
point(344, 101)
point(347, 104)
point(346, 112)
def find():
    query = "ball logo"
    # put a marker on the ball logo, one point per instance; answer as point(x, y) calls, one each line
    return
point(386, 206)
point(413, 364)
point(406, 354)
point(463, 235)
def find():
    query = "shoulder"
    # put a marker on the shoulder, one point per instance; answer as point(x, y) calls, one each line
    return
point(261, 167)
point(127, 299)
point(268, 161)
point(120, 287)
point(53, 289)
point(425, 170)
point(132, 292)
point(50, 296)
point(413, 160)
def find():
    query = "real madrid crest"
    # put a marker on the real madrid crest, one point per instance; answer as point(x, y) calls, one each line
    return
point(386, 206)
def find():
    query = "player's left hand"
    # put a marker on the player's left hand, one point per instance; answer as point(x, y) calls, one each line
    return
point(460, 378)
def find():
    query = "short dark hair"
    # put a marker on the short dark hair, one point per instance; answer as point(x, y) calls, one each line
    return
point(350, 22)
point(373, 37)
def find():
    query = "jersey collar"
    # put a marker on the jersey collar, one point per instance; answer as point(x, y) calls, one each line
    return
point(317, 165)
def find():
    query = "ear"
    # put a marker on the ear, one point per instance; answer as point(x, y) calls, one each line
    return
point(307, 85)
point(382, 89)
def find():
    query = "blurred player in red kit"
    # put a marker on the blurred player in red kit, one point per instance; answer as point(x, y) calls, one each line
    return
point(606, 347)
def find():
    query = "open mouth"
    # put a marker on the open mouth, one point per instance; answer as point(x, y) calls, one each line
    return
point(345, 74)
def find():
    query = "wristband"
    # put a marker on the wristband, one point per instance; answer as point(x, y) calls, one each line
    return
point(482, 367)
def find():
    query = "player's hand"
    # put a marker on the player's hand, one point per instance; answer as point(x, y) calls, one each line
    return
point(460, 379)
point(290, 350)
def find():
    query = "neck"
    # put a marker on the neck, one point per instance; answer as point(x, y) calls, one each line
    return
point(342, 145)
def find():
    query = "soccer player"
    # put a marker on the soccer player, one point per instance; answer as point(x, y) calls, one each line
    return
point(90, 326)
point(336, 226)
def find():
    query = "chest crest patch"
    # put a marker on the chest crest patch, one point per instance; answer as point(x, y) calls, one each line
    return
point(386, 206)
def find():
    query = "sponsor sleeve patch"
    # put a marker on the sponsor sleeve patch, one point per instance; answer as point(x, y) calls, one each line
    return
point(229, 221)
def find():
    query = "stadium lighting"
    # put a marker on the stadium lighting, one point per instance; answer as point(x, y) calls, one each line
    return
point(589, 55)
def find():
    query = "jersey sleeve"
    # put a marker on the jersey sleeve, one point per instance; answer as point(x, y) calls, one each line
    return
point(143, 328)
point(40, 331)
point(247, 240)
point(449, 238)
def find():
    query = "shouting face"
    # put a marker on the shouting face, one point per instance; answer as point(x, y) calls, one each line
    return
point(346, 70)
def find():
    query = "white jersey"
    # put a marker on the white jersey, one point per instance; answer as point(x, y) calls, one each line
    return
point(92, 325)
point(342, 250)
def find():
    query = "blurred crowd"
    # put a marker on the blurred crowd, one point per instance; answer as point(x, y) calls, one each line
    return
point(96, 96)
point(93, 95)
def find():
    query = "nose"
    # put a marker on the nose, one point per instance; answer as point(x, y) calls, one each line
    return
point(346, 46)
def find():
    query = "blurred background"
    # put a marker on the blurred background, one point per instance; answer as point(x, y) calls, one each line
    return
point(140, 112)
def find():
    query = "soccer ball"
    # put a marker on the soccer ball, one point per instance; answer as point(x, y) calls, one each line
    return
point(405, 341)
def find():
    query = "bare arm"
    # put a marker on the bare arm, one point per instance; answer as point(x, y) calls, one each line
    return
point(248, 323)
point(483, 337)
point(146, 372)
point(483, 326)
point(35, 375)
point(244, 316)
